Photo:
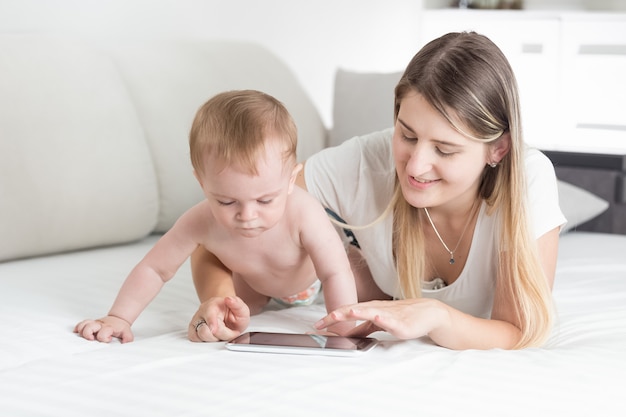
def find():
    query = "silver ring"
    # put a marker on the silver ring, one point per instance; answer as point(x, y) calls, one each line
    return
point(200, 323)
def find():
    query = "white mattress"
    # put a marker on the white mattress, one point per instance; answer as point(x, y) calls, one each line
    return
point(45, 369)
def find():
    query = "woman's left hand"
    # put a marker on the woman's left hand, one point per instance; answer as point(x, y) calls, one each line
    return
point(404, 319)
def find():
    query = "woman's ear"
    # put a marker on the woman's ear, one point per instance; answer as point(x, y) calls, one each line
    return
point(294, 175)
point(499, 148)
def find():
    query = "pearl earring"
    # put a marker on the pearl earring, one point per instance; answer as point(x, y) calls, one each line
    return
point(493, 164)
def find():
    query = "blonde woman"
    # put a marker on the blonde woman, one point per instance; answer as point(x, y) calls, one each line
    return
point(456, 219)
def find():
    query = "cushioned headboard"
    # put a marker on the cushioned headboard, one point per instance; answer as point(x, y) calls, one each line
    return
point(170, 80)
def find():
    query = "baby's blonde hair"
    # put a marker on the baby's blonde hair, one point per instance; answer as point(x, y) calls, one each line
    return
point(234, 127)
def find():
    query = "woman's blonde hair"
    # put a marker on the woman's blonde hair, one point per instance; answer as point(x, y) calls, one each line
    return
point(467, 79)
point(234, 125)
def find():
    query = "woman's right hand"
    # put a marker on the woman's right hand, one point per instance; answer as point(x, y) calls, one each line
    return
point(404, 319)
point(219, 319)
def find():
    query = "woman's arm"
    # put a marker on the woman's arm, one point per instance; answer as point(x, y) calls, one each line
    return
point(221, 314)
point(418, 317)
point(210, 277)
point(446, 326)
point(548, 247)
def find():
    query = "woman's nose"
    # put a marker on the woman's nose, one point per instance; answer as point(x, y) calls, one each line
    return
point(420, 161)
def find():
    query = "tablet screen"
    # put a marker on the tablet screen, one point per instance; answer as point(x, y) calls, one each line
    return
point(301, 343)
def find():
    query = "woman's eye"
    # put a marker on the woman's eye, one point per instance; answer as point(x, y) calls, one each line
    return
point(444, 154)
point(408, 138)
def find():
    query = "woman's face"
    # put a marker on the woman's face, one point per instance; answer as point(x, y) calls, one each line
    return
point(436, 165)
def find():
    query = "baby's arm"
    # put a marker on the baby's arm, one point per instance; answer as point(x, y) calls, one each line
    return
point(144, 282)
point(140, 287)
point(329, 257)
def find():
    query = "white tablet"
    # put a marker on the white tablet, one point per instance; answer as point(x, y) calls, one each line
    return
point(301, 344)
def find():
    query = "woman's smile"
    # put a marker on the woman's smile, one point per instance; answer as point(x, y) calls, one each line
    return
point(422, 184)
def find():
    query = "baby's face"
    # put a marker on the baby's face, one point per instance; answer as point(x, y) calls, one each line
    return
point(249, 204)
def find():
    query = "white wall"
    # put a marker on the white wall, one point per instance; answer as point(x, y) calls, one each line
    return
point(314, 37)
point(603, 5)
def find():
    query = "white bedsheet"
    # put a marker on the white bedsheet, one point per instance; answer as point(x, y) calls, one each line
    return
point(45, 369)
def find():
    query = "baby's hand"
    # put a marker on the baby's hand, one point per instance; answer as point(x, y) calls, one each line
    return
point(104, 329)
point(219, 318)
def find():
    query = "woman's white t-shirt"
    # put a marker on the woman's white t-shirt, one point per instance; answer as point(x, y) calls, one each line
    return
point(356, 181)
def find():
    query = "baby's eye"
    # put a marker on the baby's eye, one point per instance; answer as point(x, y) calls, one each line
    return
point(265, 201)
point(224, 203)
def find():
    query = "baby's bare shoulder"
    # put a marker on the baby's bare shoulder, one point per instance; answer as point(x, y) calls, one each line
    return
point(303, 205)
point(307, 218)
point(302, 197)
point(198, 215)
point(198, 222)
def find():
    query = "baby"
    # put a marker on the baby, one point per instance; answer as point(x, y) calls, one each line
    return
point(275, 238)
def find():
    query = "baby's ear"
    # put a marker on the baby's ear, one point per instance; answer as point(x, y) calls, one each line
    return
point(294, 175)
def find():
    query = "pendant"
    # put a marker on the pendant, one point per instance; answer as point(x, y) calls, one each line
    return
point(451, 261)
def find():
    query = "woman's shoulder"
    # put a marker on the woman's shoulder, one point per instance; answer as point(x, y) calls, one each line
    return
point(367, 154)
point(371, 142)
point(374, 149)
point(543, 193)
point(539, 169)
point(341, 177)
point(535, 160)
point(375, 142)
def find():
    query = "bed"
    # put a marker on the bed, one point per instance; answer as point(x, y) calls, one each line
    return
point(47, 370)
point(59, 266)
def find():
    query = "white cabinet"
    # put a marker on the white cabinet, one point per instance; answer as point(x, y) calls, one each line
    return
point(594, 70)
point(570, 67)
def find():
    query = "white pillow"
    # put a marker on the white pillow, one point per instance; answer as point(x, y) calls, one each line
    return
point(578, 205)
point(363, 103)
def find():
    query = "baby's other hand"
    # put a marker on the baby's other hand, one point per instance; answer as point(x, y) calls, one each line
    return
point(219, 319)
point(104, 329)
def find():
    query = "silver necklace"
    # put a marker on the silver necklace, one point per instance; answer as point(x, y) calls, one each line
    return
point(451, 252)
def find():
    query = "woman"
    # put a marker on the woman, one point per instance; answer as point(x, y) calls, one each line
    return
point(461, 219)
